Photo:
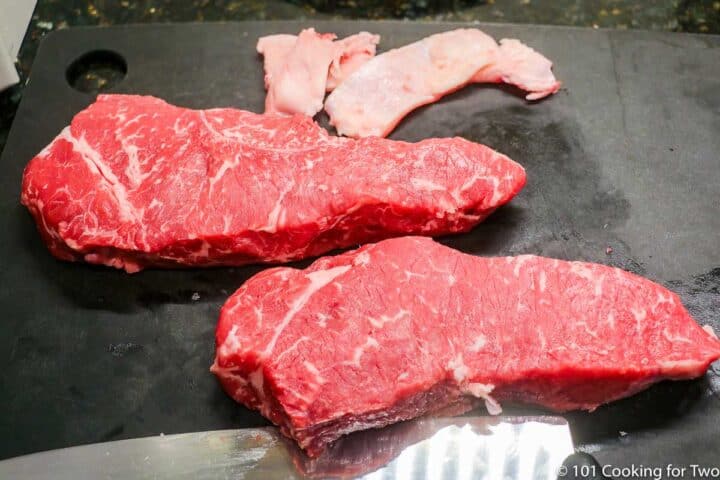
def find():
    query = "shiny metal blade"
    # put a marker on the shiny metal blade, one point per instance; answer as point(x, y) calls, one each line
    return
point(523, 448)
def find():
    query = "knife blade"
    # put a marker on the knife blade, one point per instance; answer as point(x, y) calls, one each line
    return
point(522, 448)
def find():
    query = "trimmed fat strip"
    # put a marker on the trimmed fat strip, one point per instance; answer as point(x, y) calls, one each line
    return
point(297, 83)
point(407, 327)
point(300, 69)
point(373, 100)
point(135, 182)
point(351, 54)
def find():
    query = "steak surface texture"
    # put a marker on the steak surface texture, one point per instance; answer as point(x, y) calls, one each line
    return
point(408, 327)
point(136, 182)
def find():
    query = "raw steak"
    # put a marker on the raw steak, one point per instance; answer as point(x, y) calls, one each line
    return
point(372, 101)
point(407, 327)
point(300, 69)
point(135, 182)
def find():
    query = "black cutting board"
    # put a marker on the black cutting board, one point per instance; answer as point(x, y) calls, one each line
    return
point(625, 156)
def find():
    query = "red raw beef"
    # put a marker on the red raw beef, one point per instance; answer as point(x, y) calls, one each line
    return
point(136, 182)
point(407, 327)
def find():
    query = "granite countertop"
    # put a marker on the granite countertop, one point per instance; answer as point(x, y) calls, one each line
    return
point(700, 16)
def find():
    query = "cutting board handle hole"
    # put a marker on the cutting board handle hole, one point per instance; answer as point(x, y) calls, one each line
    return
point(96, 71)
